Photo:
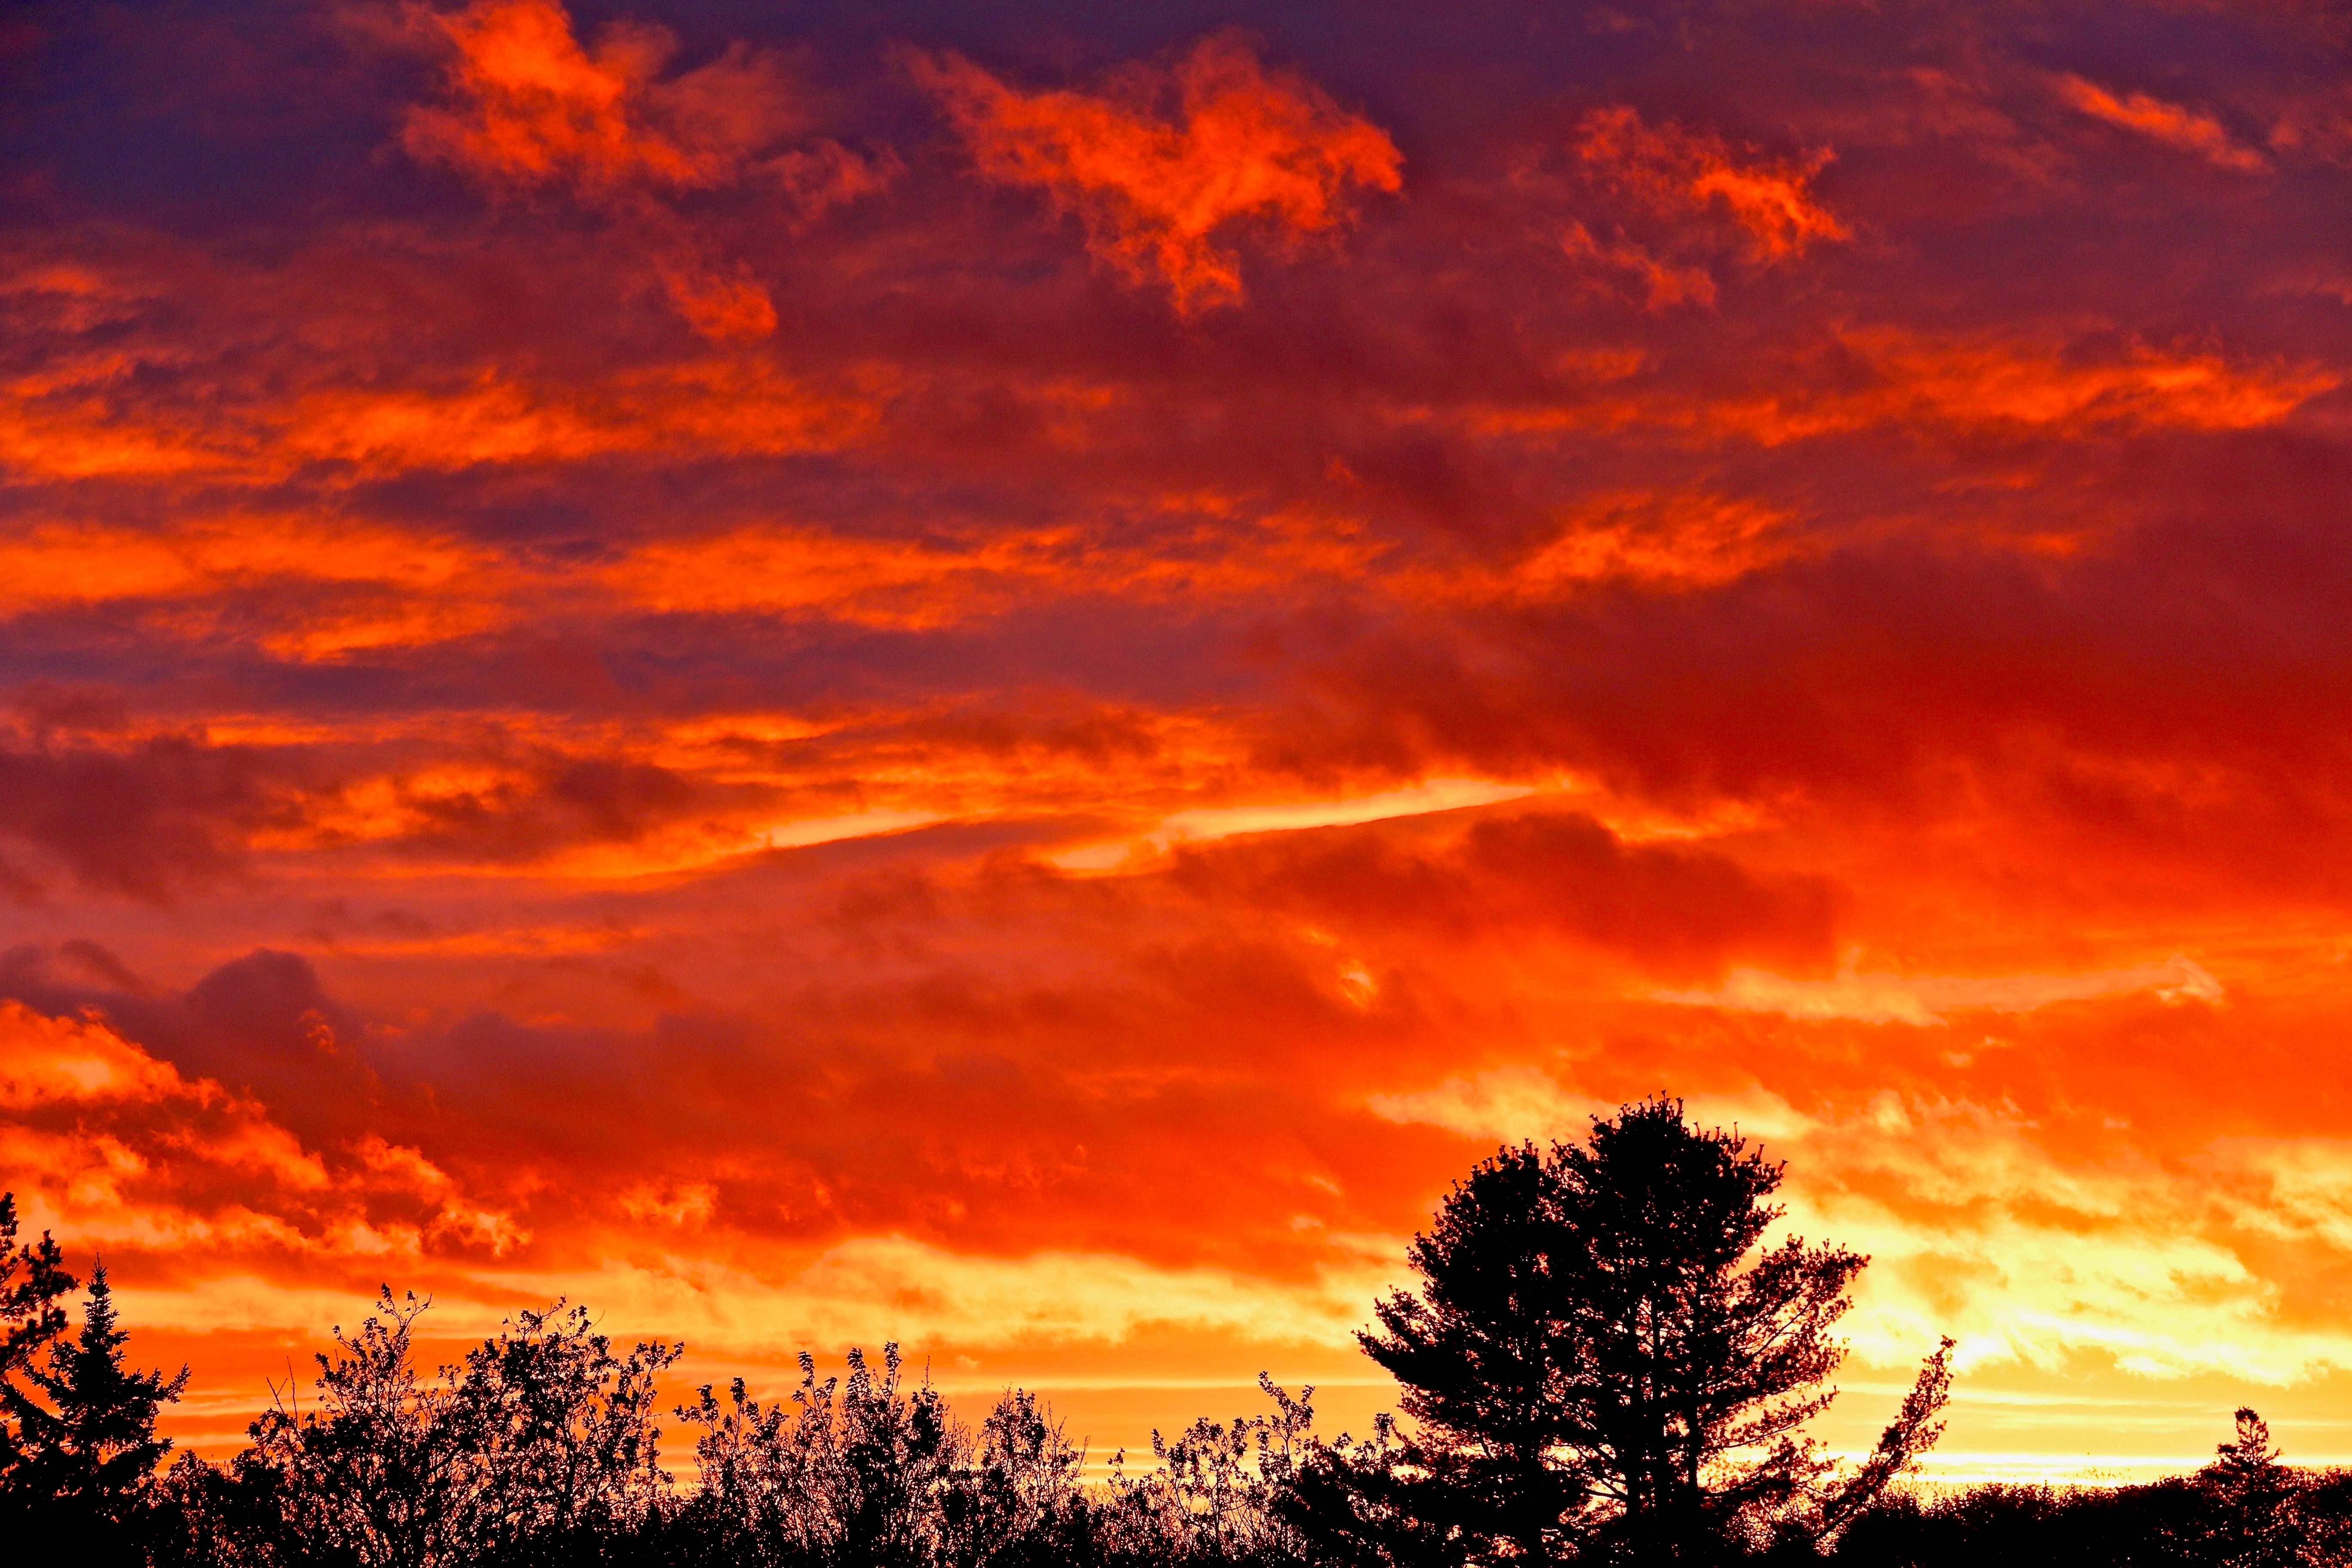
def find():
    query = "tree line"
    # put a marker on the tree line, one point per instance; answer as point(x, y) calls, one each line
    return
point(1600, 1362)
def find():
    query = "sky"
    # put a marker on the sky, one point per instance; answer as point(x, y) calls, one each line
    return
point(1005, 677)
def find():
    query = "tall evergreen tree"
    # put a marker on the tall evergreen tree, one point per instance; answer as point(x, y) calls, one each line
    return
point(33, 1281)
point(1605, 1361)
point(86, 1424)
point(2251, 1520)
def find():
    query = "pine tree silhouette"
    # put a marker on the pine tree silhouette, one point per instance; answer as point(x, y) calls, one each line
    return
point(2253, 1521)
point(1605, 1357)
point(86, 1425)
point(29, 1314)
point(32, 1280)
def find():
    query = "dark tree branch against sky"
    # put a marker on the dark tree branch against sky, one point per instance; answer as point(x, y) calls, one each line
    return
point(1009, 675)
point(1600, 1358)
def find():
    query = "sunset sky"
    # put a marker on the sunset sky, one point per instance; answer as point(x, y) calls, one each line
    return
point(1006, 676)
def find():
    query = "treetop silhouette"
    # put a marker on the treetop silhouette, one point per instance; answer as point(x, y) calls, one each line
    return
point(1601, 1354)
point(1604, 1361)
point(81, 1447)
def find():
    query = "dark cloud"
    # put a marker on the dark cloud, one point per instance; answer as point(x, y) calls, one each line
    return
point(259, 1024)
point(166, 813)
point(1675, 910)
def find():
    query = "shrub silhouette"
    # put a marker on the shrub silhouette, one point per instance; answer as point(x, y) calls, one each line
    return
point(1602, 1365)
point(541, 1444)
point(1217, 1494)
point(1019, 1501)
point(848, 1475)
point(2244, 1510)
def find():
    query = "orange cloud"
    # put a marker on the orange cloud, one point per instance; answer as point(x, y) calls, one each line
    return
point(66, 422)
point(1992, 382)
point(1917, 379)
point(1662, 284)
point(117, 1148)
point(880, 581)
point(941, 579)
point(1242, 147)
point(363, 430)
point(1541, 873)
point(536, 108)
point(2187, 130)
point(716, 406)
point(723, 306)
point(533, 109)
point(1669, 541)
point(1675, 169)
point(386, 587)
point(329, 585)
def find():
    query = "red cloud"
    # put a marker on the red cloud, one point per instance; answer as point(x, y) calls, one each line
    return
point(1242, 147)
point(1680, 171)
point(530, 107)
point(533, 106)
point(113, 1145)
point(149, 819)
point(2188, 129)
point(1669, 908)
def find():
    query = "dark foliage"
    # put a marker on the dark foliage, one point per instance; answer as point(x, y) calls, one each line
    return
point(2245, 1509)
point(82, 1448)
point(1603, 1367)
point(1606, 1365)
point(541, 1448)
point(32, 1281)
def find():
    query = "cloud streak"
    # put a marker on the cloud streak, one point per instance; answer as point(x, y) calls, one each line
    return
point(2186, 130)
